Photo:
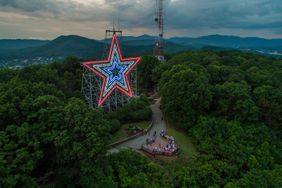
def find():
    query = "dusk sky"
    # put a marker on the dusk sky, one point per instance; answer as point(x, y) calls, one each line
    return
point(48, 19)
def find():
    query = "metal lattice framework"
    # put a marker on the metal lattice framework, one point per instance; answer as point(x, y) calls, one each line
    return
point(92, 83)
point(159, 19)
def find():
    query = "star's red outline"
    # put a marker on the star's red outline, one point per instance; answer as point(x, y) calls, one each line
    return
point(88, 63)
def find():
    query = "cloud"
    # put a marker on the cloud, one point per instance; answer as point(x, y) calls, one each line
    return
point(251, 14)
point(29, 5)
point(138, 15)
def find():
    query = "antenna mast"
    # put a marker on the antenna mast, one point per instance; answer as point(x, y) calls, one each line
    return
point(159, 19)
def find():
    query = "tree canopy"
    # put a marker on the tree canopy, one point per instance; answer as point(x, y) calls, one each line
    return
point(228, 102)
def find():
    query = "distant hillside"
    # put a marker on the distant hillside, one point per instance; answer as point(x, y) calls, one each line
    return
point(25, 52)
point(60, 47)
point(82, 47)
point(249, 43)
point(11, 44)
point(7, 45)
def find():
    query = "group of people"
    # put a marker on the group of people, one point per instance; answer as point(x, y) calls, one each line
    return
point(157, 150)
point(150, 140)
point(171, 146)
point(168, 149)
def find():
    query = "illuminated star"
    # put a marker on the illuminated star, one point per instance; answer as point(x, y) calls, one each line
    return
point(114, 71)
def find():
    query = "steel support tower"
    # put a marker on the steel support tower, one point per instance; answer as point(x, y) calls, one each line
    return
point(159, 19)
point(92, 83)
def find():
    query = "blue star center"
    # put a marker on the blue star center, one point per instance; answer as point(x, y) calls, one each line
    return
point(115, 71)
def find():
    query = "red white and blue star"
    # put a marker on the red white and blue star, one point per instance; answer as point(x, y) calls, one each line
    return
point(114, 71)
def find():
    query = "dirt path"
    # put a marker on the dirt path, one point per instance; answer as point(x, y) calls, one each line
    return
point(158, 126)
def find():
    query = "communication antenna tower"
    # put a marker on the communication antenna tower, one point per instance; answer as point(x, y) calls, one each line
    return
point(159, 19)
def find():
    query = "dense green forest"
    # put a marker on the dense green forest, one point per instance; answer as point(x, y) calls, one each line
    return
point(229, 102)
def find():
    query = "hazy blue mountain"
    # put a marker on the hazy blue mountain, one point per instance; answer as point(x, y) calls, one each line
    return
point(61, 47)
point(66, 46)
point(24, 52)
point(73, 45)
point(138, 38)
point(12, 44)
point(142, 40)
point(229, 41)
point(8, 45)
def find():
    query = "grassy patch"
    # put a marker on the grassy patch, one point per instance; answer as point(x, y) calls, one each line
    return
point(143, 124)
point(187, 148)
point(122, 133)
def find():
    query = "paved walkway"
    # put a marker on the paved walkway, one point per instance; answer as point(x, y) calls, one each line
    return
point(158, 126)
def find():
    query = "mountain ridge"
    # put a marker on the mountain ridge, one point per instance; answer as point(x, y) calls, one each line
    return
point(86, 48)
